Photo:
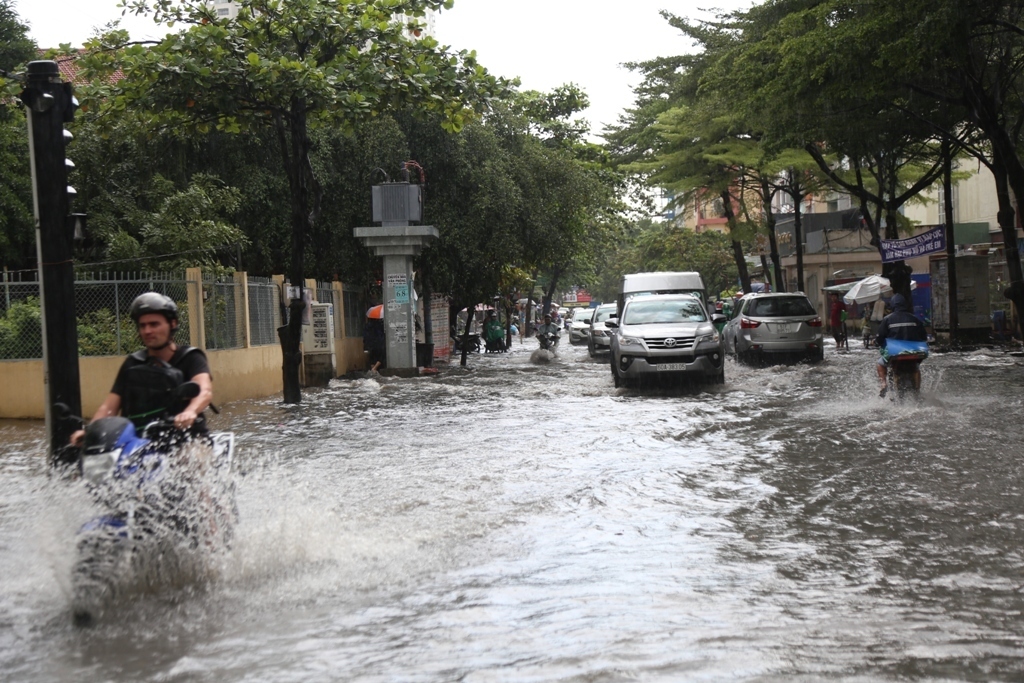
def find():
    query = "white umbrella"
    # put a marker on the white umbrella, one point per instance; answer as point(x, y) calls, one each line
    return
point(871, 288)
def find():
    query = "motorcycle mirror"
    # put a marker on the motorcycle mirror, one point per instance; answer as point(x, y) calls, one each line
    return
point(188, 390)
point(63, 412)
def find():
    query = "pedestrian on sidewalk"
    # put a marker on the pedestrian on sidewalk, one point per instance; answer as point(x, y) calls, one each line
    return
point(837, 322)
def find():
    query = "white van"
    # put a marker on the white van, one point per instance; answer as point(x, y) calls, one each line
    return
point(645, 284)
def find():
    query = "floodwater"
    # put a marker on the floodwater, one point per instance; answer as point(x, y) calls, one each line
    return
point(528, 522)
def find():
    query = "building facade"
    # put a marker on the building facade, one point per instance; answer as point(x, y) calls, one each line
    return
point(229, 9)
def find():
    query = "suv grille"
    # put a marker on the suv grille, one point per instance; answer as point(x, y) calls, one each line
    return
point(678, 343)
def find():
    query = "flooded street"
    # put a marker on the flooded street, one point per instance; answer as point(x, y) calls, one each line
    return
point(524, 522)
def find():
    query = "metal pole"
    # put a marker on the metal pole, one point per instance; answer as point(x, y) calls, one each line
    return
point(49, 105)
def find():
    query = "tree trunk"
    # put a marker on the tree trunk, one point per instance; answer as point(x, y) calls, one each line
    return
point(549, 293)
point(295, 152)
point(947, 195)
point(798, 235)
point(779, 284)
point(1008, 225)
point(428, 294)
point(737, 248)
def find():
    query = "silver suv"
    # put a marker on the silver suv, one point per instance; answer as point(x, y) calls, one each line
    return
point(774, 325)
point(668, 335)
point(600, 335)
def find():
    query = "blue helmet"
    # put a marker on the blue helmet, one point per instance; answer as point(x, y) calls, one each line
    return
point(898, 303)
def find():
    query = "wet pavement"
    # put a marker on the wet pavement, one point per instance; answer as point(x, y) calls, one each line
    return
point(529, 522)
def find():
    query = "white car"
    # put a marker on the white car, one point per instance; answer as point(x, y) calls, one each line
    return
point(579, 325)
point(600, 335)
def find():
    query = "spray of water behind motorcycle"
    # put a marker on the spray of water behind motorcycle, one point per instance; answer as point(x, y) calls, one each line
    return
point(168, 520)
point(543, 356)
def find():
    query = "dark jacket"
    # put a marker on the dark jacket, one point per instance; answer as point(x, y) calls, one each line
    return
point(902, 325)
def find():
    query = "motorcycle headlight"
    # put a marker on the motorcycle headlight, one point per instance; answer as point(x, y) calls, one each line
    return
point(629, 341)
point(96, 468)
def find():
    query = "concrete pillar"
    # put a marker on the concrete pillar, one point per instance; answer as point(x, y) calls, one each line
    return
point(242, 309)
point(399, 322)
point(339, 310)
point(196, 316)
point(395, 205)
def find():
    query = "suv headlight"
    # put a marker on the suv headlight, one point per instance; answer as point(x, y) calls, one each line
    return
point(711, 337)
point(629, 341)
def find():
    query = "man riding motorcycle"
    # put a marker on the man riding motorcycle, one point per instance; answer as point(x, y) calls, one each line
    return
point(549, 329)
point(144, 388)
point(900, 324)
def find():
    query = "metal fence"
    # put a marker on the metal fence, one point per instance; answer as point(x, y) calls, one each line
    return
point(222, 314)
point(355, 311)
point(102, 301)
point(264, 311)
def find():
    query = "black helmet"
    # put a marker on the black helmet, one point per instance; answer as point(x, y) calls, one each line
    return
point(153, 302)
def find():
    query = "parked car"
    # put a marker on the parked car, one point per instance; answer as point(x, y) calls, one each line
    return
point(599, 333)
point(579, 325)
point(774, 326)
point(666, 336)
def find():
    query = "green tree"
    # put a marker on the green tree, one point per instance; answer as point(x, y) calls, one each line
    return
point(17, 235)
point(844, 107)
point(288, 67)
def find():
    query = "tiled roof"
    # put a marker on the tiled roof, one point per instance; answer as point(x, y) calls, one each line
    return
point(69, 69)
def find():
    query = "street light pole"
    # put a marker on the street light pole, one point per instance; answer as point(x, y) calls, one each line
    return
point(49, 104)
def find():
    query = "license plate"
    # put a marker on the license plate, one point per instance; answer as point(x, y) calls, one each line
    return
point(669, 367)
point(785, 327)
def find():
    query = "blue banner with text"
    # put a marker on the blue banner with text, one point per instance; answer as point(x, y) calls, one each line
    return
point(931, 242)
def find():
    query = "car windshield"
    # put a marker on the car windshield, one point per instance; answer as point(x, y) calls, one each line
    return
point(603, 314)
point(780, 307)
point(583, 316)
point(640, 312)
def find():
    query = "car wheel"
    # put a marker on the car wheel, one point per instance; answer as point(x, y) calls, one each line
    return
point(591, 350)
point(818, 355)
point(719, 378)
point(616, 380)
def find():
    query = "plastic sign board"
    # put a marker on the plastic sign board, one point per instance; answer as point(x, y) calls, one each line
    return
point(319, 336)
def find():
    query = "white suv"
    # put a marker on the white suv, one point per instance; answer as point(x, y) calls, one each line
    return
point(668, 335)
point(579, 325)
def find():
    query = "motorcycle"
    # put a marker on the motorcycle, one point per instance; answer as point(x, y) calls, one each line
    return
point(905, 359)
point(168, 505)
point(548, 342)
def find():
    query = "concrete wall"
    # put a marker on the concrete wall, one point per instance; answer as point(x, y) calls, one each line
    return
point(237, 374)
point(349, 355)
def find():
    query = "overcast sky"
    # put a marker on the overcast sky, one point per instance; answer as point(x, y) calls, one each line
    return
point(544, 42)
